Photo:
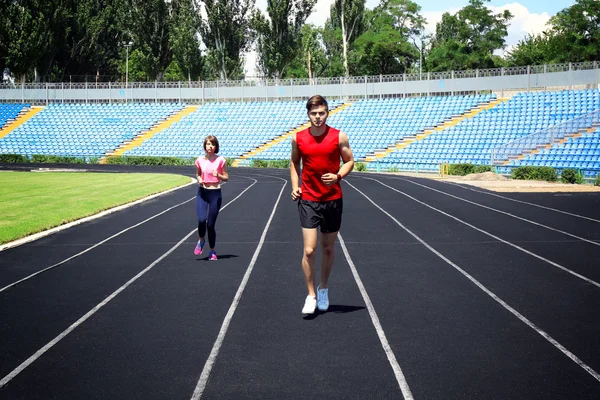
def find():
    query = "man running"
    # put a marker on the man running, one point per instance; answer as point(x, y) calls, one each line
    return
point(320, 204)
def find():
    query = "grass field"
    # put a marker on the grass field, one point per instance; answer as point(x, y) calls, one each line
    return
point(32, 202)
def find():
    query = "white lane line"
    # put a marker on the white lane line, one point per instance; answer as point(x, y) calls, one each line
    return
point(588, 280)
point(525, 202)
point(92, 247)
point(505, 213)
point(521, 317)
point(236, 300)
point(101, 243)
point(81, 320)
point(63, 227)
point(400, 378)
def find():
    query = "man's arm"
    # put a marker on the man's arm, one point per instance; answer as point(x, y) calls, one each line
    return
point(348, 158)
point(347, 155)
point(295, 170)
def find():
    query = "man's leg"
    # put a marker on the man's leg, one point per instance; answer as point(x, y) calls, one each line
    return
point(308, 258)
point(327, 257)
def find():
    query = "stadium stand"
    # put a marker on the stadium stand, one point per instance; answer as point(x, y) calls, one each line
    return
point(240, 127)
point(377, 124)
point(415, 133)
point(580, 151)
point(83, 129)
point(472, 140)
point(9, 112)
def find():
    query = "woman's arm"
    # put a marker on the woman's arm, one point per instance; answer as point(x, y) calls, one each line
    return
point(225, 175)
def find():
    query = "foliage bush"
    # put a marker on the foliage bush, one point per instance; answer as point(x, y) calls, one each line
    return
point(466, 169)
point(13, 158)
point(256, 163)
point(571, 175)
point(148, 160)
point(360, 167)
point(597, 182)
point(279, 164)
point(42, 158)
point(46, 159)
point(534, 173)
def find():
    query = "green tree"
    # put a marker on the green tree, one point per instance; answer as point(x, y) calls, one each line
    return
point(387, 46)
point(94, 45)
point(532, 50)
point(402, 15)
point(310, 61)
point(383, 52)
point(184, 39)
point(576, 32)
point(332, 41)
point(278, 38)
point(149, 27)
point(469, 38)
point(347, 16)
point(5, 5)
point(226, 34)
point(29, 40)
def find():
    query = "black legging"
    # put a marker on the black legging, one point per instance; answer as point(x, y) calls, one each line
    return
point(208, 204)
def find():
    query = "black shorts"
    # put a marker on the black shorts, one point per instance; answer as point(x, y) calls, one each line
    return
point(326, 214)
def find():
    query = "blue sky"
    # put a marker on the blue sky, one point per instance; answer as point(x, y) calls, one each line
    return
point(535, 6)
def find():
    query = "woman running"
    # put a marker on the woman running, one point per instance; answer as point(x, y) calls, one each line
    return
point(210, 171)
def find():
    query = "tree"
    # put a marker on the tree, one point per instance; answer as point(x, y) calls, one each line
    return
point(149, 27)
point(402, 15)
point(387, 46)
point(532, 50)
point(226, 34)
point(279, 38)
point(576, 32)
point(347, 15)
point(97, 32)
point(184, 39)
point(384, 52)
point(310, 60)
point(332, 40)
point(469, 38)
point(5, 5)
point(29, 36)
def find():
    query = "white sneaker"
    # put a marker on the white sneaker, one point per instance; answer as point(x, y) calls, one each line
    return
point(322, 299)
point(310, 304)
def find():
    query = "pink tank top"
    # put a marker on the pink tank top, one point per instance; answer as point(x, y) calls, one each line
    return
point(207, 167)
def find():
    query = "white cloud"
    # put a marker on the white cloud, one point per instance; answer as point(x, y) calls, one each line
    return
point(522, 23)
point(320, 13)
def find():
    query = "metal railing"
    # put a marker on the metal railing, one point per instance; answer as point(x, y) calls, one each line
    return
point(543, 138)
point(92, 81)
point(502, 81)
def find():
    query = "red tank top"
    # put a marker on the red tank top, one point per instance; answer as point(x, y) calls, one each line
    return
point(320, 155)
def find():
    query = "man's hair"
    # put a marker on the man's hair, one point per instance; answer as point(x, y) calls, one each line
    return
point(213, 140)
point(316, 101)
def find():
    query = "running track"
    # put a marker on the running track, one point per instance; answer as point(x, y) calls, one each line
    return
point(438, 292)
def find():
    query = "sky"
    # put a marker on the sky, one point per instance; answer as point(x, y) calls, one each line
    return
point(529, 16)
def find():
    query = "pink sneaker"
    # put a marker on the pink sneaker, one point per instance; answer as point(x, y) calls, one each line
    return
point(212, 255)
point(198, 249)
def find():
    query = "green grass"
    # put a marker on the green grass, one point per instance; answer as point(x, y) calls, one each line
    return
point(32, 202)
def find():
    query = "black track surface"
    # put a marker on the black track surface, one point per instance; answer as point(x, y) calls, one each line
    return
point(451, 338)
